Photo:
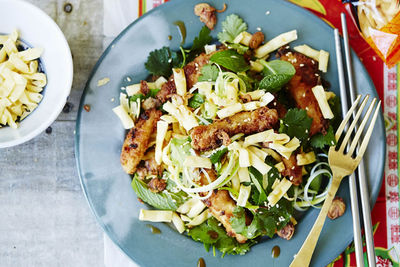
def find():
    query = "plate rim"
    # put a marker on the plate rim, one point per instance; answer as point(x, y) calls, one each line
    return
point(111, 234)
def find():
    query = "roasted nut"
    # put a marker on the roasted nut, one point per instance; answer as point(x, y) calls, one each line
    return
point(256, 40)
point(287, 231)
point(337, 209)
point(157, 185)
point(206, 14)
point(245, 98)
point(144, 87)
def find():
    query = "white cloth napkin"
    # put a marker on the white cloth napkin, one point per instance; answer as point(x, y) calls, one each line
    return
point(117, 15)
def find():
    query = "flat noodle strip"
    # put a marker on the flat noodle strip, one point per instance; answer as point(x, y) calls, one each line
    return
point(20, 82)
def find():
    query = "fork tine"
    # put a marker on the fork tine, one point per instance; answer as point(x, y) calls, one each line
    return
point(346, 118)
point(361, 128)
point(353, 124)
point(365, 141)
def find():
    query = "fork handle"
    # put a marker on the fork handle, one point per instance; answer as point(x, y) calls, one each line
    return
point(303, 257)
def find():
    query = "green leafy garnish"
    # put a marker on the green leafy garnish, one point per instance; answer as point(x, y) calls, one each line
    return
point(135, 97)
point(232, 26)
point(180, 148)
point(161, 61)
point(209, 73)
point(266, 221)
point(231, 60)
point(153, 92)
point(296, 123)
point(277, 73)
point(241, 49)
point(211, 234)
point(162, 200)
point(336, 108)
point(217, 155)
point(196, 100)
point(320, 141)
point(258, 194)
point(199, 42)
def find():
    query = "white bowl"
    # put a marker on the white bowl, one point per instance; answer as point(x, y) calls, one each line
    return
point(37, 29)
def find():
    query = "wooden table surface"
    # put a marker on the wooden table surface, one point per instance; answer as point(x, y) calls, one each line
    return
point(45, 219)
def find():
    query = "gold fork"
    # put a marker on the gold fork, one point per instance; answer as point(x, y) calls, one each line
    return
point(342, 163)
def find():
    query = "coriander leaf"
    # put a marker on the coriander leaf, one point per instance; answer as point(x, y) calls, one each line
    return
point(231, 60)
point(274, 218)
point(296, 123)
point(320, 141)
point(273, 174)
point(199, 42)
point(232, 26)
point(196, 100)
point(179, 150)
point(162, 200)
point(211, 233)
point(257, 192)
point(209, 73)
point(217, 155)
point(277, 73)
point(161, 61)
point(238, 222)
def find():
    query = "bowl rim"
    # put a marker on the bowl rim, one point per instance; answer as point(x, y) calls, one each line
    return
point(64, 89)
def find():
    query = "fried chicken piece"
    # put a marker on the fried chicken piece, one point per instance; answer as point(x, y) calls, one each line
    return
point(137, 140)
point(207, 14)
point(292, 170)
point(206, 137)
point(192, 72)
point(299, 87)
point(157, 185)
point(148, 166)
point(287, 231)
point(221, 206)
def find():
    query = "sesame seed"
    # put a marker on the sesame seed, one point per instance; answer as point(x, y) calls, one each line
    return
point(258, 29)
point(312, 60)
point(268, 12)
point(301, 65)
point(128, 79)
point(170, 60)
point(316, 74)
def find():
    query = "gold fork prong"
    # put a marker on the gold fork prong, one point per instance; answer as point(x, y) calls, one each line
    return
point(361, 127)
point(346, 118)
point(365, 141)
point(353, 124)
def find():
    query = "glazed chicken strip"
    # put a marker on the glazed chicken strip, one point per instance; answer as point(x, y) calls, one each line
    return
point(300, 87)
point(192, 72)
point(137, 140)
point(221, 206)
point(206, 137)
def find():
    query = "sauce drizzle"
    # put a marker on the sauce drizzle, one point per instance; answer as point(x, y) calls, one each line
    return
point(201, 263)
point(154, 230)
point(276, 251)
point(182, 30)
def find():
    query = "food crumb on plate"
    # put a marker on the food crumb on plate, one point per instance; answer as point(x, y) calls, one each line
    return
point(103, 81)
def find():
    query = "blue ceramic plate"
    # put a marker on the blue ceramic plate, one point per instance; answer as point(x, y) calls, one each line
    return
point(99, 137)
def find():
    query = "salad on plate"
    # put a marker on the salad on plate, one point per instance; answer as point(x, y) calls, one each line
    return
point(228, 140)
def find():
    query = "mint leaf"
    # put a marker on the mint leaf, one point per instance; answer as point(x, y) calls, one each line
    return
point(161, 200)
point(296, 123)
point(199, 42)
point(277, 74)
point(209, 73)
point(231, 60)
point(231, 27)
point(196, 100)
point(161, 61)
point(320, 141)
point(217, 155)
